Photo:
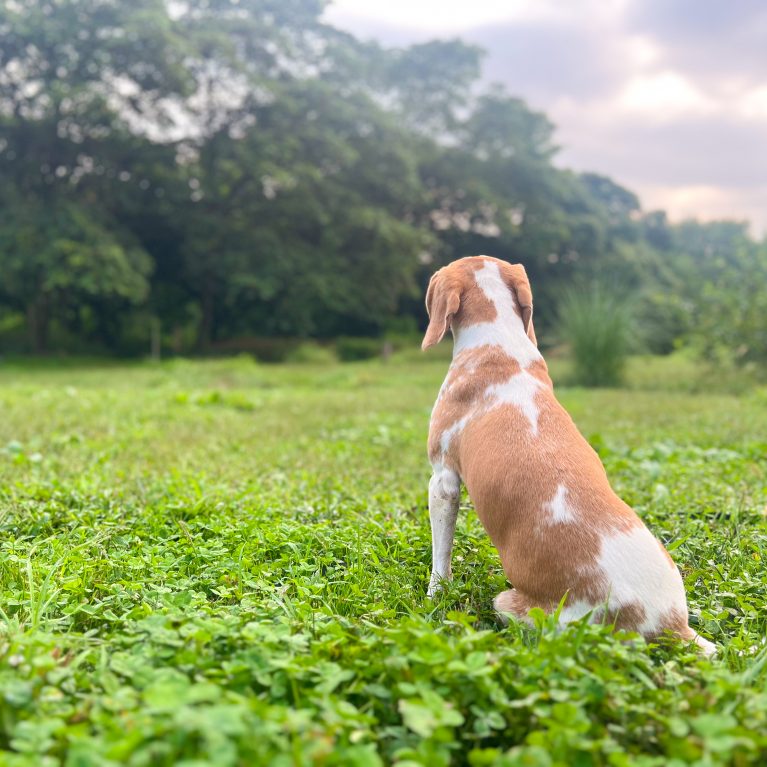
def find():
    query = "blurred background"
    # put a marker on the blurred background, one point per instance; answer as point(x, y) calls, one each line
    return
point(281, 177)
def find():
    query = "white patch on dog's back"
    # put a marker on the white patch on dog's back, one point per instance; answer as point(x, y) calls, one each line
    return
point(558, 508)
point(637, 572)
point(506, 330)
point(520, 390)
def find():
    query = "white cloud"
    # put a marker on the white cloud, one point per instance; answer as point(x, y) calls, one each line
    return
point(664, 96)
point(753, 104)
point(424, 18)
point(642, 51)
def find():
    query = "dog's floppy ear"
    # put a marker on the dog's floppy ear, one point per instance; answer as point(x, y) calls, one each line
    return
point(443, 298)
point(515, 277)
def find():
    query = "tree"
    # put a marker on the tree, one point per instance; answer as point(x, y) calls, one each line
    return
point(82, 83)
point(59, 257)
point(722, 278)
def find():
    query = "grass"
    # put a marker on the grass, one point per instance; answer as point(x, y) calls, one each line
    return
point(225, 564)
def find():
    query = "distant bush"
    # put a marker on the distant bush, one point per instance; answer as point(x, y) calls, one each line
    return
point(352, 349)
point(595, 321)
point(263, 349)
point(312, 353)
point(411, 353)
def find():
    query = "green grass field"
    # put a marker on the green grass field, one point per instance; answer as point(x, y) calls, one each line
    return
point(223, 563)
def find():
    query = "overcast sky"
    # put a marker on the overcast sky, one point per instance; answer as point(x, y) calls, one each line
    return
point(668, 97)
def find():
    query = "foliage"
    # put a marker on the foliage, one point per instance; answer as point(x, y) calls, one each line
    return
point(239, 168)
point(312, 353)
point(706, 288)
point(56, 258)
point(726, 292)
point(264, 349)
point(224, 563)
point(596, 322)
point(354, 349)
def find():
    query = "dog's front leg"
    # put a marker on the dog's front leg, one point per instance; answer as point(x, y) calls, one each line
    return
point(444, 496)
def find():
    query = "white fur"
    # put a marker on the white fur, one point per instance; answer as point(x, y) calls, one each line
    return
point(558, 509)
point(506, 330)
point(447, 435)
point(637, 572)
point(707, 648)
point(444, 497)
point(575, 611)
point(520, 390)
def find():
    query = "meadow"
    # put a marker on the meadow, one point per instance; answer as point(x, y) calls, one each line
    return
point(225, 563)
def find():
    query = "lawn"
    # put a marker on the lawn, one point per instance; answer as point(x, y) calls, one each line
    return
point(224, 563)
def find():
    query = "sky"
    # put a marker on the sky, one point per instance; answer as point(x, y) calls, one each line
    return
point(667, 97)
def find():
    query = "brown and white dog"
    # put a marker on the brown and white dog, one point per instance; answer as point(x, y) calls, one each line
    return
point(539, 489)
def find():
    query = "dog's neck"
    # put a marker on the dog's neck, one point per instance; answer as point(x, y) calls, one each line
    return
point(506, 330)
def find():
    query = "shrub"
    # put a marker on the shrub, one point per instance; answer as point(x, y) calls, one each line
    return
point(595, 320)
point(264, 349)
point(312, 353)
point(411, 353)
point(351, 349)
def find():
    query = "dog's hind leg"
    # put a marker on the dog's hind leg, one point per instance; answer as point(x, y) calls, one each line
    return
point(444, 496)
point(514, 604)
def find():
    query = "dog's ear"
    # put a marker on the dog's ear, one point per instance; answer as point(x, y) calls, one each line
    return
point(515, 277)
point(443, 297)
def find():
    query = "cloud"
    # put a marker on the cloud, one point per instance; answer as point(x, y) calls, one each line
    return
point(695, 151)
point(546, 61)
point(715, 162)
point(753, 104)
point(429, 18)
point(717, 40)
point(664, 96)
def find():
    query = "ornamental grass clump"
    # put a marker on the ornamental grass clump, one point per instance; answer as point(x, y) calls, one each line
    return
point(595, 321)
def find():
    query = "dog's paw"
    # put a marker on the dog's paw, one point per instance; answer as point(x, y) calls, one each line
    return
point(436, 585)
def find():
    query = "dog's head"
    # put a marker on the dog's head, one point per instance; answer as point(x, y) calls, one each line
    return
point(456, 297)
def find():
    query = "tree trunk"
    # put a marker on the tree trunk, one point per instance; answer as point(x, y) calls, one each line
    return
point(155, 343)
point(205, 328)
point(38, 322)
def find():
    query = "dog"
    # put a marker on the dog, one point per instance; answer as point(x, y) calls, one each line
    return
point(540, 490)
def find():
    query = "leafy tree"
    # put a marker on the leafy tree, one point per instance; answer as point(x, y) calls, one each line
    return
point(720, 275)
point(80, 80)
point(58, 257)
point(430, 83)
